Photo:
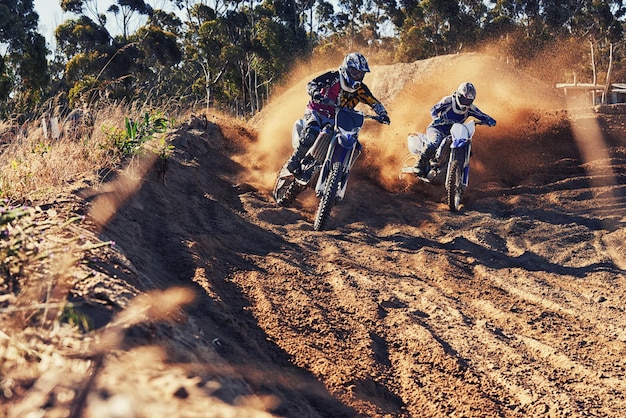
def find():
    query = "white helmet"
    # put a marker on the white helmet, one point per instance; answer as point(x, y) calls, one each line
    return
point(464, 95)
point(352, 70)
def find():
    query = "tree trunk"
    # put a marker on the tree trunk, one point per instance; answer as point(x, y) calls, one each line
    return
point(607, 84)
point(593, 64)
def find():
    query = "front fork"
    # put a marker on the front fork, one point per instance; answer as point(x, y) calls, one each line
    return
point(461, 154)
point(335, 153)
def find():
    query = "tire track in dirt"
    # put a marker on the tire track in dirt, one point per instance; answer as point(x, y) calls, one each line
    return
point(472, 337)
point(535, 348)
point(441, 309)
point(511, 308)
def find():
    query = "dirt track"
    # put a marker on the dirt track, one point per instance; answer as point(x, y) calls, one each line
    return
point(513, 307)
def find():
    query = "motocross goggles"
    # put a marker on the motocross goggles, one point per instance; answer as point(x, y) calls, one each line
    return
point(464, 101)
point(356, 74)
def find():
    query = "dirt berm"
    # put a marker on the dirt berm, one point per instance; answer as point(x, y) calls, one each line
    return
point(513, 307)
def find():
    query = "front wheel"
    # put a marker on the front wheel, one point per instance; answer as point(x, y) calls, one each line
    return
point(454, 185)
point(329, 197)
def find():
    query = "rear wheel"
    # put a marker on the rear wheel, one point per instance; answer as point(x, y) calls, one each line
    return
point(328, 198)
point(454, 185)
point(407, 165)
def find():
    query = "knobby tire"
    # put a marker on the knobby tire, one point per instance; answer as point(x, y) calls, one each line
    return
point(286, 195)
point(328, 198)
point(454, 185)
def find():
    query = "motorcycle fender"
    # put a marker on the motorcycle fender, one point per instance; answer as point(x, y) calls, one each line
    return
point(462, 133)
point(347, 141)
point(416, 143)
point(295, 133)
point(342, 153)
point(459, 143)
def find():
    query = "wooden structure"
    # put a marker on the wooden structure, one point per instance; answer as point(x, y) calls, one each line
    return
point(594, 94)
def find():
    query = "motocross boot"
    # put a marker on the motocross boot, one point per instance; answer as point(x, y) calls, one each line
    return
point(293, 164)
point(307, 167)
point(307, 137)
point(421, 168)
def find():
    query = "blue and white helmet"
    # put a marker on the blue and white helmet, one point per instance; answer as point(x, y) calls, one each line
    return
point(464, 95)
point(352, 71)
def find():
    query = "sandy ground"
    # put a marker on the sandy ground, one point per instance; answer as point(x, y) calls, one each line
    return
point(513, 307)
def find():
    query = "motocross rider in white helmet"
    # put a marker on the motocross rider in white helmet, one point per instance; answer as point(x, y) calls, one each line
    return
point(455, 108)
point(343, 88)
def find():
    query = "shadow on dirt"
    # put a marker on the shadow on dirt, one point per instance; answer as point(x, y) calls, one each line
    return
point(191, 231)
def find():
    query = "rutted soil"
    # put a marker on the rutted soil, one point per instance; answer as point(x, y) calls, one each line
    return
point(513, 307)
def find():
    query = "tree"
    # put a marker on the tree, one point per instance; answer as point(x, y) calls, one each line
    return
point(604, 30)
point(23, 65)
point(99, 64)
point(231, 52)
point(159, 53)
point(126, 9)
point(434, 27)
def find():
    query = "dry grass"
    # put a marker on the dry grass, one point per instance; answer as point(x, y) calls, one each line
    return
point(35, 166)
point(46, 249)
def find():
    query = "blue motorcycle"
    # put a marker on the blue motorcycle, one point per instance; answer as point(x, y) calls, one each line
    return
point(450, 165)
point(327, 164)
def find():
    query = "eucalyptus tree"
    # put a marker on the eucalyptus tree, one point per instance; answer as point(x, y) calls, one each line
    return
point(126, 10)
point(435, 27)
point(23, 65)
point(344, 25)
point(233, 55)
point(602, 25)
point(98, 63)
point(326, 20)
point(502, 18)
point(279, 37)
point(442, 24)
point(159, 46)
point(204, 63)
point(579, 33)
point(351, 20)
point(279, 45)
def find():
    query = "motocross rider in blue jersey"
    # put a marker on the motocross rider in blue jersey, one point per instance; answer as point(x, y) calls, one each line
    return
point(455, 108)
point(343, 88)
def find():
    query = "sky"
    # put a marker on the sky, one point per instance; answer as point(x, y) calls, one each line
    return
point(50, 16)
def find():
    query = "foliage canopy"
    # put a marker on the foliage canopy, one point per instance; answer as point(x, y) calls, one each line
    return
point(232, 54)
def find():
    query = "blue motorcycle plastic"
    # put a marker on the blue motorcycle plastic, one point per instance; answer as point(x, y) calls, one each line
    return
point(327, 164)
point(451, 164)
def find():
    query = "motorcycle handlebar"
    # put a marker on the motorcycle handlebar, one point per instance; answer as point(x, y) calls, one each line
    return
point(484, 122)
point(377, 118)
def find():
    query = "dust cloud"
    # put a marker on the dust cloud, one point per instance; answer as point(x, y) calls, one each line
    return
point(523, 106)
point(274, 124)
